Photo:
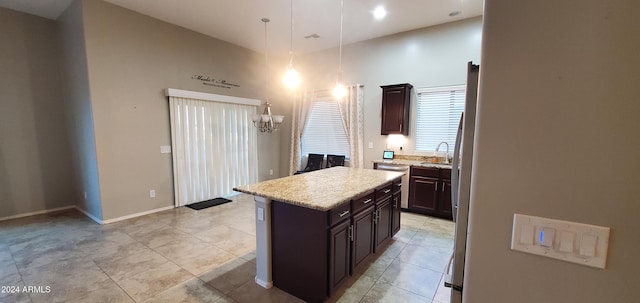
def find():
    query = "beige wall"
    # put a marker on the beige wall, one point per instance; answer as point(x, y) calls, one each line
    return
point(557, 137)
point(132, 58)
point(34, 151)
point(433, 56)
point(79, 116)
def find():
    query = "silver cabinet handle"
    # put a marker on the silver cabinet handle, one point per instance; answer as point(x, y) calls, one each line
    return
point(387, 191)
point(367, 201)
point(436, 186)
point(351, 232)
point(346, 212)
point(443, 186)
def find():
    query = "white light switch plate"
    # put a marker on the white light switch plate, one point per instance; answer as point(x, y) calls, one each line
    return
point(563, 240)
point(165, 149)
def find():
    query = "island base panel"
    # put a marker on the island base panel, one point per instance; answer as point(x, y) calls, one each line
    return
point(299, 251)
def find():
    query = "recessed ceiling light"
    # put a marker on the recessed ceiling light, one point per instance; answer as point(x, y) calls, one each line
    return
point(379, 12)
point(454, 13)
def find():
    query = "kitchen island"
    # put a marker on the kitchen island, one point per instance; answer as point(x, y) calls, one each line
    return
point(313, 229)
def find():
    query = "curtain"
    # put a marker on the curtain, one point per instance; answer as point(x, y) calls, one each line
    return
point(301, 107)
point(351, 110)
point(214, 148)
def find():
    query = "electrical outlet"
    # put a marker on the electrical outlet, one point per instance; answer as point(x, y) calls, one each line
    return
point(370, 144)
point(271, 172)
point(152, 193)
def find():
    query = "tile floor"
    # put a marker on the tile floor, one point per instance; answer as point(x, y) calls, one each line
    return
point(182, 255)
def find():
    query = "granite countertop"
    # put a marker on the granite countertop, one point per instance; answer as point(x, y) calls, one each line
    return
point(322, 189)
point(407, 162)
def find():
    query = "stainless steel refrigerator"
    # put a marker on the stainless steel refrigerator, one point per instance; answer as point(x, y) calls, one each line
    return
point(461, 183)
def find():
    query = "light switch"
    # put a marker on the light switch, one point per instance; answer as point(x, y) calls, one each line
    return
point(546, 236)
point(370, 144)
point(588, 245)
point(566, 241)
point(165, 149)
point(526, 234)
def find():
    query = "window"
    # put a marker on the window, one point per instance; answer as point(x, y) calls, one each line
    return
point(438, 115)
point(324, 132)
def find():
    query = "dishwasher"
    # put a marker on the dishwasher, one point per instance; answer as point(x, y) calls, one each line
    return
point(404, 202)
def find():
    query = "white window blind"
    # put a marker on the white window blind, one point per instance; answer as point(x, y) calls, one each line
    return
point(437, 116)
point(324, 132)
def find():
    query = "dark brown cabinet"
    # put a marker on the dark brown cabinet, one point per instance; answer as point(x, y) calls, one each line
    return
point(383, 223)
point(363, 236)
point(430, 191)
point(395, 208)
point(395, 109)
point(314, 252)
point(444, 201)
point(339, 252)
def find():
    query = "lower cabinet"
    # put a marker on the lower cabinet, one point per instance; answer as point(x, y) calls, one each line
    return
point(339, 251)
point(383, 222)
point(444, 201)
point(314, 252)
point(363, 236)
point(430, 191)
point(395, 212)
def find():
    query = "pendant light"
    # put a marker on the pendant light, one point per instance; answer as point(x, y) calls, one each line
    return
point(291, 78)
point(339, 90)
point(266, 122)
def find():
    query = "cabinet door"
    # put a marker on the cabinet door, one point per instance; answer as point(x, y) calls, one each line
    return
point(395, 109)
point(383, 222)
point(395, 211)
point(339, 261)
point(362, 245)
point(444, 201)
point(423, 195)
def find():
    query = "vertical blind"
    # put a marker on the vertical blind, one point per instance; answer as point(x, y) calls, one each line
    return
point(324, 132)
point(437, 116)
point(214, 146)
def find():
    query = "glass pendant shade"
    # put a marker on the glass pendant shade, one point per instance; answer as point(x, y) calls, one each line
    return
point(291, 78)
point(339, 91)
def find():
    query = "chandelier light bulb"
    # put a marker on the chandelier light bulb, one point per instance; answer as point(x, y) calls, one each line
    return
point(339, 91)
point(291, 78)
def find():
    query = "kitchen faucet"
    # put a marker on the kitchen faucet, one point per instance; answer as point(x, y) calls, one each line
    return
point(438, 148)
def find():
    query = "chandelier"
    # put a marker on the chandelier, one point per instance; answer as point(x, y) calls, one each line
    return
point(266, 122)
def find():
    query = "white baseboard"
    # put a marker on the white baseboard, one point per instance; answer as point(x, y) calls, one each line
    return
point(137, 214)
point(92, 217)
point(264, 284)
point(33, 213)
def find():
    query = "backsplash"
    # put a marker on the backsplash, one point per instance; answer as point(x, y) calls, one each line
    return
point(432, 159)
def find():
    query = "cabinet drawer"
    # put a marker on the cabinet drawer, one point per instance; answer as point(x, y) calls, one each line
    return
point(383, 192)
point(339, 213)
point(397, 186)
point(424, 172)
point(445, 173)
point(362, 202)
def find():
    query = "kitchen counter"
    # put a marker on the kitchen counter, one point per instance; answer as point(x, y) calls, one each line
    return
point(420, 163)
point(325, 193)
point(322, 189)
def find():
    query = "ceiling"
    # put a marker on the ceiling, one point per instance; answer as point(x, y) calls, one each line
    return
point(238, 22)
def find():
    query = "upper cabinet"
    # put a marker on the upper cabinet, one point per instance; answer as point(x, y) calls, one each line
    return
point(395, 109)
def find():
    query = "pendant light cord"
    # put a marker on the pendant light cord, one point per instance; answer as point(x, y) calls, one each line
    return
point(291, 38)
point(340, 56)
point(266, 68)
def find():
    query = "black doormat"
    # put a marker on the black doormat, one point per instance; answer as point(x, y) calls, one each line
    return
point(208, 203)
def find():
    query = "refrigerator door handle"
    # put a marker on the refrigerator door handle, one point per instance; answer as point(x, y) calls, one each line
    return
point(455, 178)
